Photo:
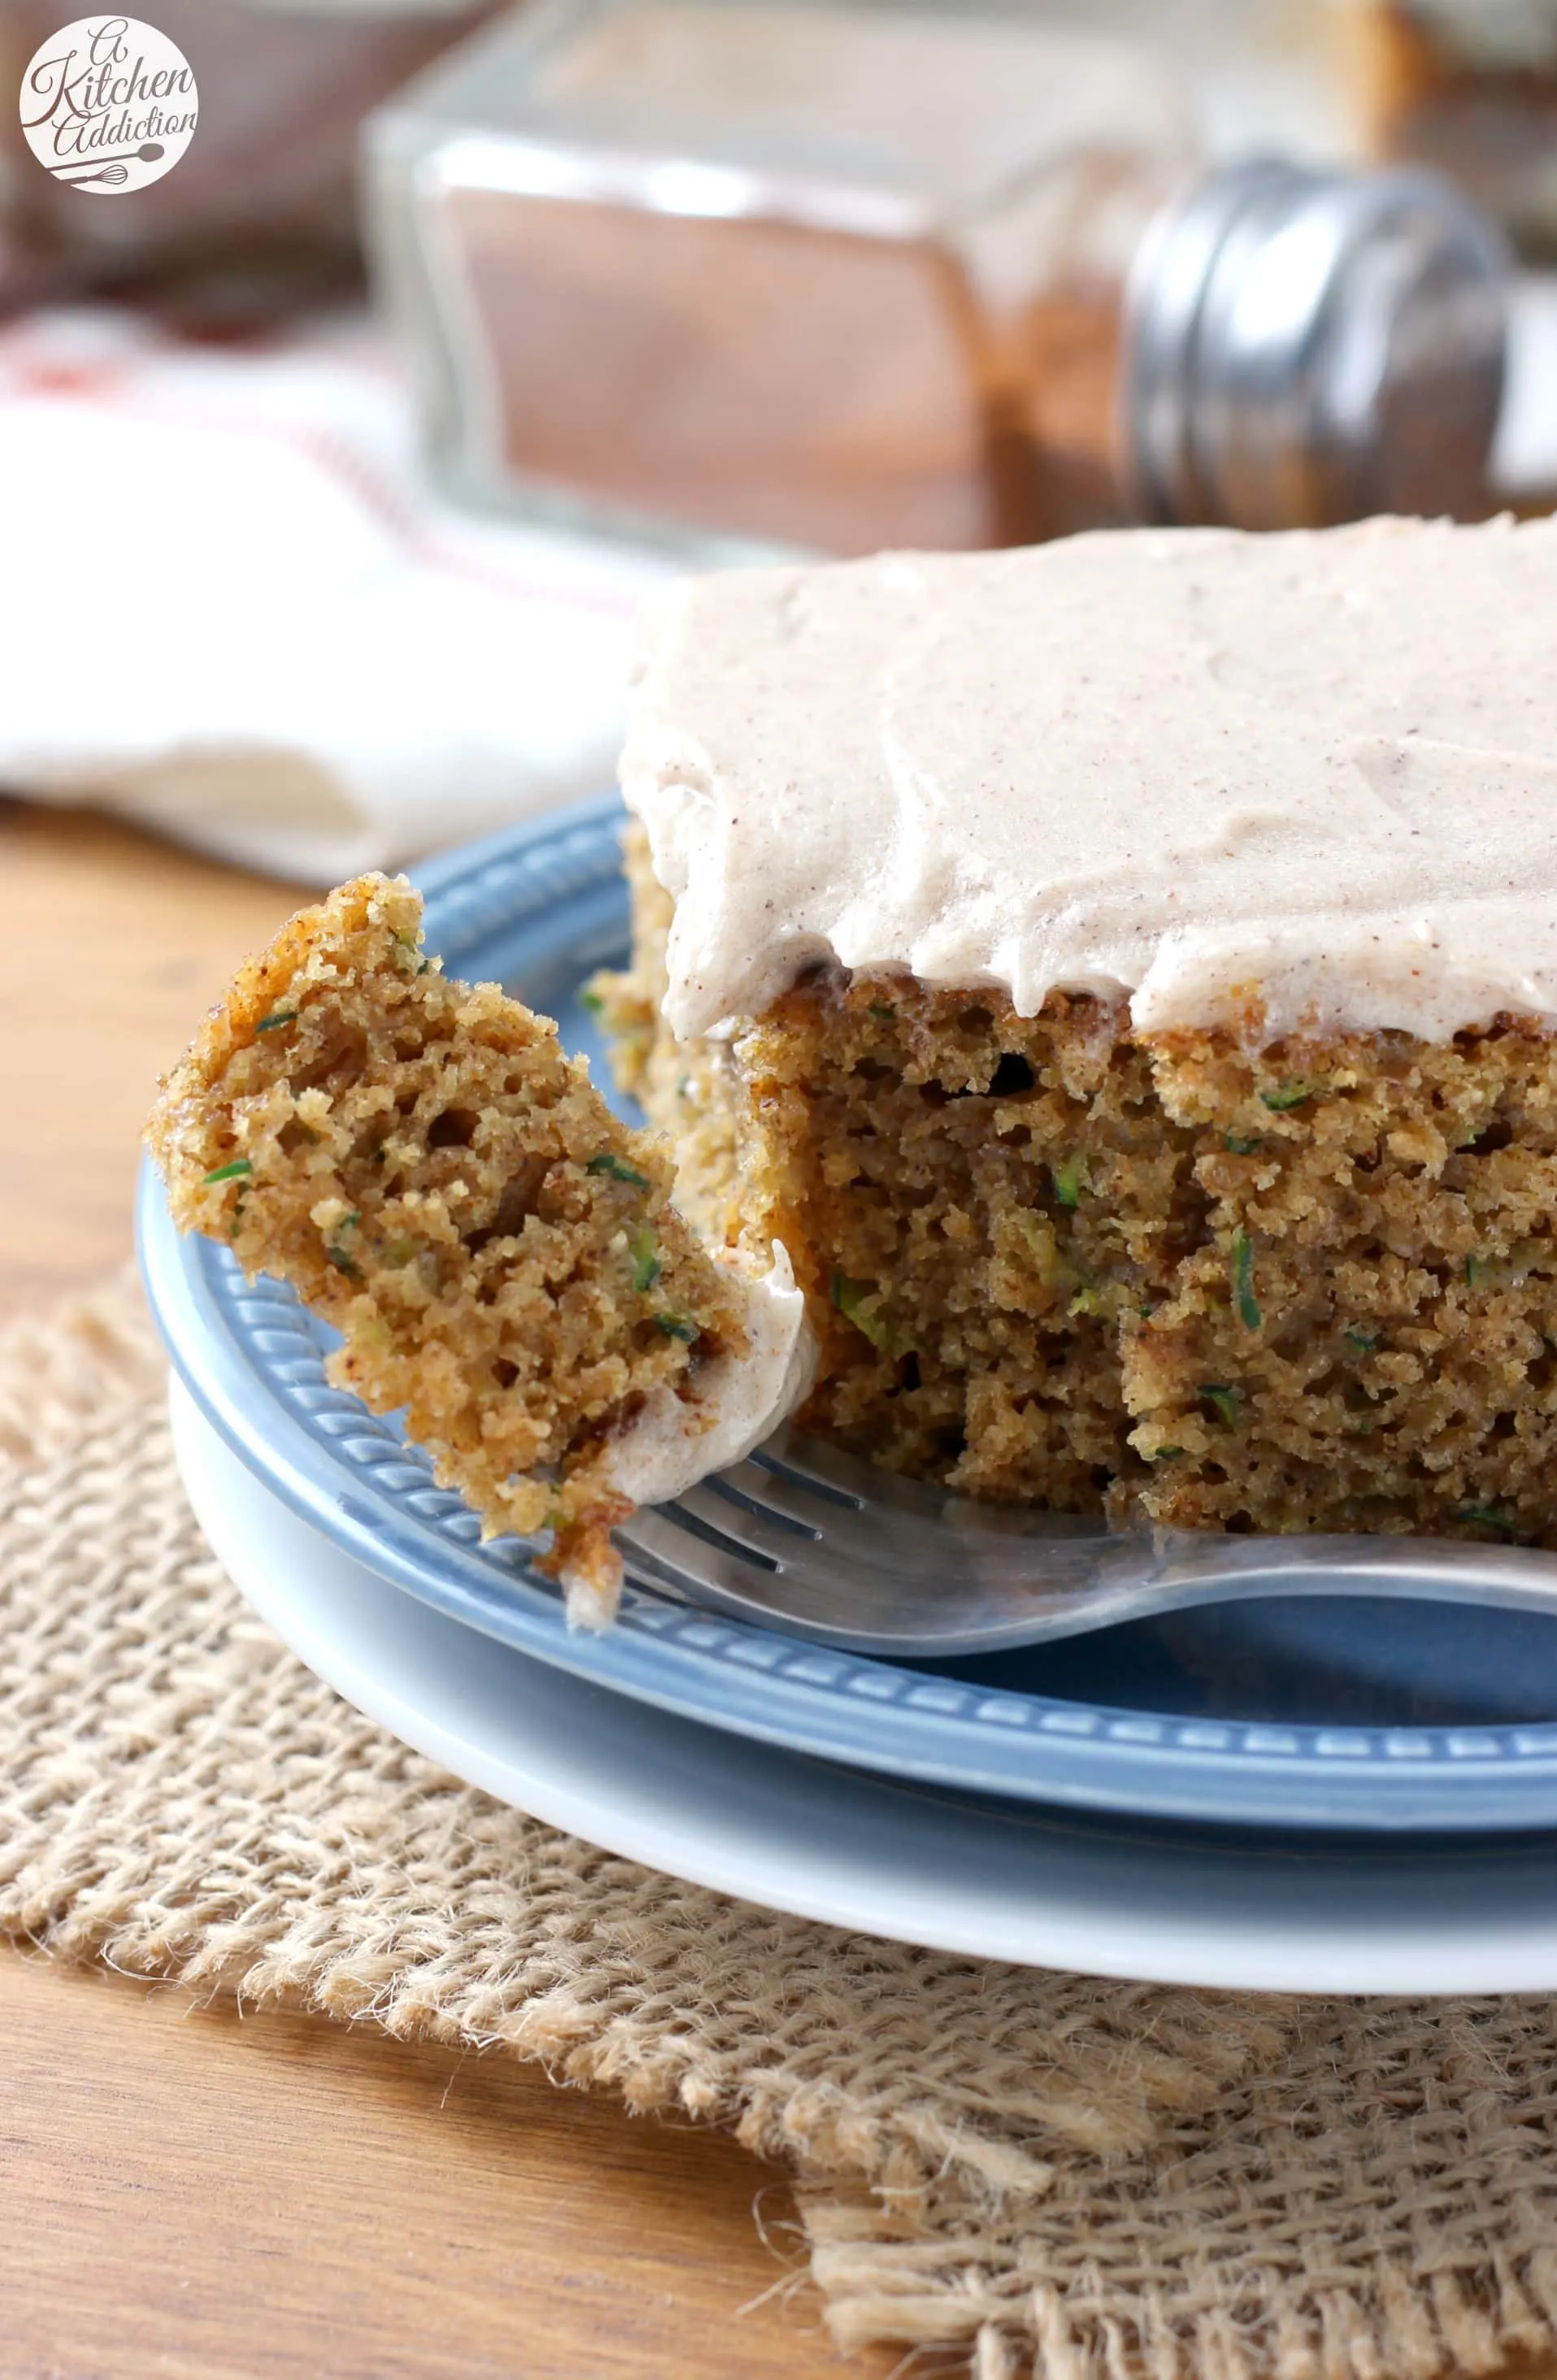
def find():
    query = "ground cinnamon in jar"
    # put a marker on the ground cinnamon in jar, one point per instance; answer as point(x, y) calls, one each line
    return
point(825, 277)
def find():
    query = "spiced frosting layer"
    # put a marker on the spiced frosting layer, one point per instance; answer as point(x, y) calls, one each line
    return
point(1310, 777)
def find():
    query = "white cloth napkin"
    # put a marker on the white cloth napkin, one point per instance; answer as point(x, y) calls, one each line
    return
point(230, 607)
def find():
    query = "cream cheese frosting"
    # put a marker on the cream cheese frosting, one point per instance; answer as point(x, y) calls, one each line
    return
point(727, 1406)
point(1194, 766)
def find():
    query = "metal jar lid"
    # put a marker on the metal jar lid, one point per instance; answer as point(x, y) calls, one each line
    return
point(1305, 346)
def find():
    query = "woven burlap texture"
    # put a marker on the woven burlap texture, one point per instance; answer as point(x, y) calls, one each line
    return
point(1079, 2180)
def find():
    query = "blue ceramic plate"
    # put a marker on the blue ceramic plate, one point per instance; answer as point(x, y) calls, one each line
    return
point(1336, 1714)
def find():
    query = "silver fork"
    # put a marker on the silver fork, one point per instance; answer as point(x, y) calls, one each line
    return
point(812, 1542)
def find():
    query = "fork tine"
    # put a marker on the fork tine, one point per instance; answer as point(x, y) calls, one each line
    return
point(734, 1505)
point(840, 1530)
point(768, 1522)
point(772, 1458)
point(660, 1548)
point(870, 1540)
point(776, 1492)
point(808, 1466)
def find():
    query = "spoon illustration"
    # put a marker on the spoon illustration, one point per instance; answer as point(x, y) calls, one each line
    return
point(108, 169)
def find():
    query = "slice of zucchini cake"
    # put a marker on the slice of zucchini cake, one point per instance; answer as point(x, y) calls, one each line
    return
point(1122, 973)
point(425, 1166)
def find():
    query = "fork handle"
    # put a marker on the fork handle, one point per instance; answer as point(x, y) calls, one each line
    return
point(1177, 1561)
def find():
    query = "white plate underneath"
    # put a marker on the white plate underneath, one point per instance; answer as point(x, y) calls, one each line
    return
point(1181, 1905)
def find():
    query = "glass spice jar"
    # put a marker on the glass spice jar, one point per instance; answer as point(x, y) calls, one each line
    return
point(831, 278)
point(1469, 88)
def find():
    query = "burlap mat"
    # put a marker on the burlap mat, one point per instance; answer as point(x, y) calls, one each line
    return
point(1086, 2180)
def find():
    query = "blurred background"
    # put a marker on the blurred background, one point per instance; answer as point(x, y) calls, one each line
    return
point(337, 456)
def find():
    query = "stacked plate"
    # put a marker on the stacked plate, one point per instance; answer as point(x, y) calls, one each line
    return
point(1334, 1794)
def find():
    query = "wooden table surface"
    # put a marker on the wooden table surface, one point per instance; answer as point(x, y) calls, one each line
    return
point(202, 2197)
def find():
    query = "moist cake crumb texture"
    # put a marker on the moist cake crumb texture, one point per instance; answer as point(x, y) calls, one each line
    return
point(1282, 1265)
point(431, 1173)
point(1049, 1260)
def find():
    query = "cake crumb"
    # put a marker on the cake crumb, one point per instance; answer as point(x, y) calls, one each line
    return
point(439, 1182)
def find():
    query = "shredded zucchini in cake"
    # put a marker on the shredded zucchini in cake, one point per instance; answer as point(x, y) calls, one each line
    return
point(423, 1163)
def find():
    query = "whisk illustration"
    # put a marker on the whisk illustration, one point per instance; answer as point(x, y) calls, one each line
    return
point(112, 170)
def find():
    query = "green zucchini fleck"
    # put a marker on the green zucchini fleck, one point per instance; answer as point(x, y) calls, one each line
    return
point(1287, 1095)
point(645, 1254)
point(849, 1296)
point(339, 1255)
point(594, 1002)
point(1242, 1282)
point(1228, 1401)
point(1479, 1271)
point(677, 1326)
point(1364, 1342)
point(1488, 1516)
point(277, 1016)
point(411, 945)
point(879, 1008)
point(233, 1173)
point(617, 1169)
point(1068, 1180)
point(1240, 1144)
